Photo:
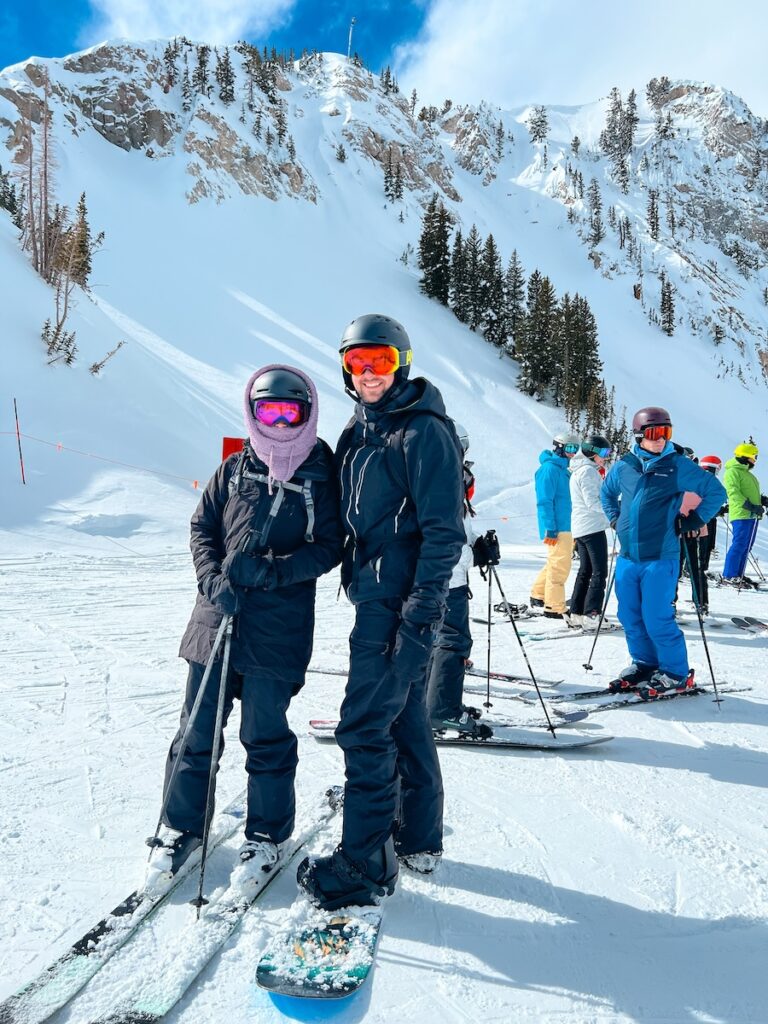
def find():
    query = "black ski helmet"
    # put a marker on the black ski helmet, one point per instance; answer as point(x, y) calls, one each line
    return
point(594, 444)
point(280, 384)
point(651, 416)
point(377, 329)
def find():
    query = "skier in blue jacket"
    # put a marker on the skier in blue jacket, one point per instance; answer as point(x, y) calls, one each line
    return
point(642, 496)
point(553, 508)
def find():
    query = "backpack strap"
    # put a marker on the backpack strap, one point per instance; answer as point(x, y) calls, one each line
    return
point(304, 489)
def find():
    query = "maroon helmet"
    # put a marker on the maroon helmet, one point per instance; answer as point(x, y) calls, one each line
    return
point(651, 416)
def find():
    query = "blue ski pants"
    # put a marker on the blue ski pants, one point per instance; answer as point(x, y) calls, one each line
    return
point(645, 592)
point(743, 536)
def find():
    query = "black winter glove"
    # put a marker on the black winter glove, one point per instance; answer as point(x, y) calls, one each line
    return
point(486, 550)
point(412, 650)
point(420, 611)
point(256, 571)
point(764, 499)
point(753, 509)
point(220, 592)
point(724, 510)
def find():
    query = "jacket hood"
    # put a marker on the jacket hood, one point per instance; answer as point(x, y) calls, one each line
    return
point(549, 456)
point(282, 449)
point(579, 461)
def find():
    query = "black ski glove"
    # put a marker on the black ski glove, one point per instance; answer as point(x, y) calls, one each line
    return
point(753, 509)
point(412, 649)
point(764, 500)
point(256, 571)
point(724, 510)
point(486, 550)
point(217, 589)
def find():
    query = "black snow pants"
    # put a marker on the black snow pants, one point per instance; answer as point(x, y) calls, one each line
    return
point(394, 785)
point(451, 648)
point(271, 752)
point(589, 586)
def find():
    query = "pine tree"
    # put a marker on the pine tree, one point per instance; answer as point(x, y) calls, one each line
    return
point(225, 77)
point(389, 178)
point(595, 202)
point(473, 288)
point(186, 88)
point(257, 124)
point(434, 257)
point(575, 145)
point(291, 149)
point(514, 293)
point(653, 213)
point(414, 101)
point(341, 153)
point(538, 124)
point(200, 74)
point(537, 360)
point(492, 321)
point(281, 124)
point(169, 60)
point(667, 306)
point(397, 184)
point(458, 299)
point(500, 140)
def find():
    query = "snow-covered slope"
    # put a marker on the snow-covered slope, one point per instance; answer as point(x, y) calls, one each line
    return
point(624, 885)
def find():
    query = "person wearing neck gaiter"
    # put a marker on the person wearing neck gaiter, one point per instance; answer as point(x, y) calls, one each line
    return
point(400, 467)
point(266, 527)
point(652, 495)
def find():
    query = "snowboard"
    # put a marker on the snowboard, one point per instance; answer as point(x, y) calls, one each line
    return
point(321, 954)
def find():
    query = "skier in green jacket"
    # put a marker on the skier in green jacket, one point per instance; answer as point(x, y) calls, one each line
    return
point(745, 510)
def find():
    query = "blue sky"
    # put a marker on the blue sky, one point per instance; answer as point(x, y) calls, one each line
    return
point(508, 52)
point(53, 28)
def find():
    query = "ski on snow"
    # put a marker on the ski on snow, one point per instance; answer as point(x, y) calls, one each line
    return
point(505, 677)
point(752, 625)
point(194, 947)
point(618, 700)
point(56, 984)
point(574, 631)
point(509, 737)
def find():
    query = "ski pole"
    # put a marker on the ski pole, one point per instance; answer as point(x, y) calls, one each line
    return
point(200, 901)
point(487, 701)
point(226, 621)
point(695, 591)
point(550, 727)
point(756, 566)
point(588, 663)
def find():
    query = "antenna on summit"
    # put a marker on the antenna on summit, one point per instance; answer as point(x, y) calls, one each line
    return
point(349, 42)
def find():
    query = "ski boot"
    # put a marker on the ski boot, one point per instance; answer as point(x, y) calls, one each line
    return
point(170, 850)
point(259, 857)
point(535, 602)
point(631, 677)
point(466, 725)
point(338, 881)
point(661, 683)
point(424, 863)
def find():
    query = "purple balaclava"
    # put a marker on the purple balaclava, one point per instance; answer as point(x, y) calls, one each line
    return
point(282, 449)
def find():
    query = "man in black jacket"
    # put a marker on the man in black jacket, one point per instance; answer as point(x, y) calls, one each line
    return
point(400, 470)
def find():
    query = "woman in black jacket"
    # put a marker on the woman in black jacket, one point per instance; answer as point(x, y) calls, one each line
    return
point(266, 527)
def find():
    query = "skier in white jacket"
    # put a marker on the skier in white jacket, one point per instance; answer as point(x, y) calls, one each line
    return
point(588, 524)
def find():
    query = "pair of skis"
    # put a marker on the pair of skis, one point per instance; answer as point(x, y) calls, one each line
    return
point(751, 624)
point(193, 949)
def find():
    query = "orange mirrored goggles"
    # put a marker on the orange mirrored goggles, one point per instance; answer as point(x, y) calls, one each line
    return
point(657, 433)
point(379, 359)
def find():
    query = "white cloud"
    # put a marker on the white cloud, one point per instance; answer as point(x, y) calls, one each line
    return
point(210, 21)
point(513, 52)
